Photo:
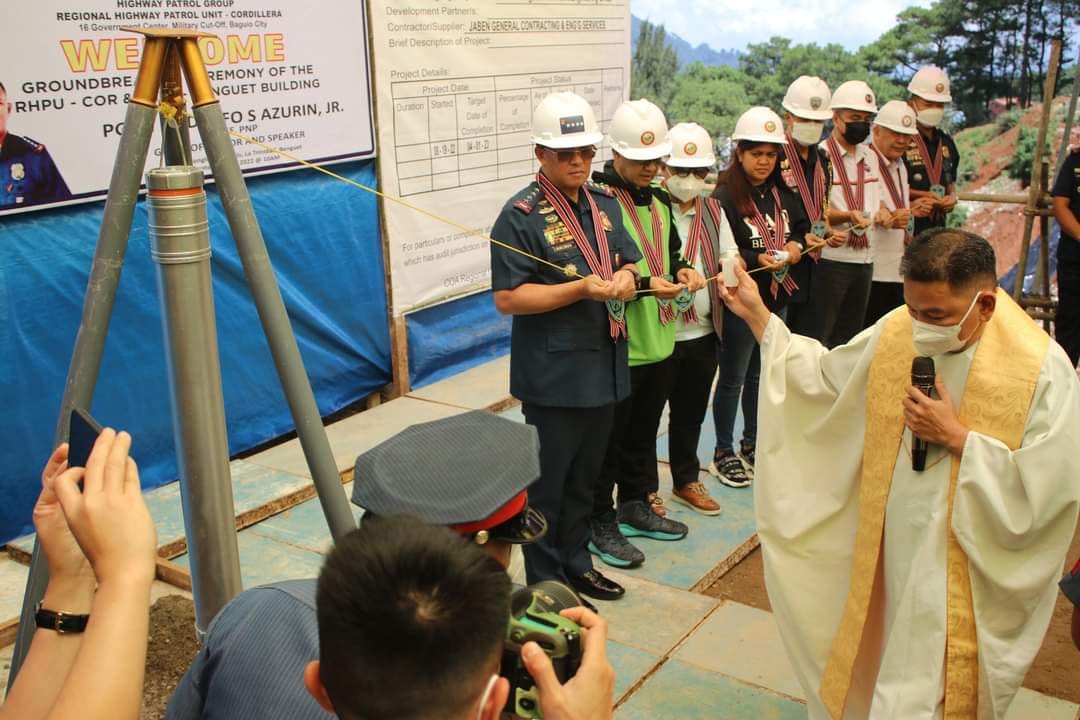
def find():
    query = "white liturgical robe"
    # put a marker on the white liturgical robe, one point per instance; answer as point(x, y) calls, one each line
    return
point(1014, 514)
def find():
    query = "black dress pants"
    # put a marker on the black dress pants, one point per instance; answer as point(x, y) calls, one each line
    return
point(572, 446)
point(694, 369)
point(630, 462)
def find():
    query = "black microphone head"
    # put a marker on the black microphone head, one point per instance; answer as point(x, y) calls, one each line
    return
point(922, 368)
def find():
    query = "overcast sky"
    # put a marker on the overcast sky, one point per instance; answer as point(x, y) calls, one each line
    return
point(734, 23)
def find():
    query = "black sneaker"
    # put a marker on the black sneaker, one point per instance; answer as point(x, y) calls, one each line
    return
point(729, 469)
point(746, 454)
point(636, 519)
point(611, 546)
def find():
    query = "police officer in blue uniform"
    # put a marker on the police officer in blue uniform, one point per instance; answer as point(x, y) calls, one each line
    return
point(253, 659)
point(933, 161)
point(28, 175)
point(568, 352)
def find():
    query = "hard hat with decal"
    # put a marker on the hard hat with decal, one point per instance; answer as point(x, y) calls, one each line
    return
point(565, 120)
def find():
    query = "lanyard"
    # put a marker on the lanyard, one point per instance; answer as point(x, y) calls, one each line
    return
point(652, 247)
point(774, 240)
point(599, 264)
point(812, 201)
point(855, 199)
point(933, 166)
point(699, 240)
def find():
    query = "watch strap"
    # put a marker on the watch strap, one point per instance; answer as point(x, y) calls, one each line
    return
point(59, 621)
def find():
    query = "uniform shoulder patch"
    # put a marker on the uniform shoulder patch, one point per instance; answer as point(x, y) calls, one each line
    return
point(34, 144)
point(526, 200)
point(600, 188)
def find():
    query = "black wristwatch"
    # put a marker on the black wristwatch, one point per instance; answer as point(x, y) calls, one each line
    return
point(60, 622)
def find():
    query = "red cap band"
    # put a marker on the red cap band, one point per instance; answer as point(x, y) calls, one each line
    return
point(507, 511)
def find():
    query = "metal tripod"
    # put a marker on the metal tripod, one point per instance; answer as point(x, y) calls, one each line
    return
point(187, 315)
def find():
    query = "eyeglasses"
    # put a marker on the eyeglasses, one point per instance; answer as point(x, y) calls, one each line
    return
point(587, 153)
point(701, 172)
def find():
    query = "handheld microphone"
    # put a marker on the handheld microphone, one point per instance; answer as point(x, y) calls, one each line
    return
point(922, 377)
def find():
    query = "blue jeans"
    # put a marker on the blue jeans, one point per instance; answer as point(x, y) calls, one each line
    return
point(740, 370)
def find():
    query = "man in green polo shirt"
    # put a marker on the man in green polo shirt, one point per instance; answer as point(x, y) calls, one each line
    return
point(639, 140)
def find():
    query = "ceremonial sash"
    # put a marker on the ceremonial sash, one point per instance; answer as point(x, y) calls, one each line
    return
point(997, 399)
point(935, 166)
point(855, 199)
point(899, 198)
point(701, 240)
point(651, 248)
point(599, 265)
point(816, 201)
point(774, 241)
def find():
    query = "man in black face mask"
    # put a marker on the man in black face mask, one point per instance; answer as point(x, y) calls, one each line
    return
point(841, 288)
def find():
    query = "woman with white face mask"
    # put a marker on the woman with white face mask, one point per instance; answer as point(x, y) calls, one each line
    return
point(707, 238)
point(933, 160)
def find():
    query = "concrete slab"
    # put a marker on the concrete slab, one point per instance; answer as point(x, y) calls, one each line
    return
point(742, 642)
point(514, 414)
point(264, 560)
point(1029, 704)
point(679, 691)
point(710, 542)
point(630, 666)
point(478, 388)
point(303, 526)
point(12, 586)
point(652, 617)
point(355, 434)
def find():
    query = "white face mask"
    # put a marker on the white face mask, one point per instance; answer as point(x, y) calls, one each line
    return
point(685, 187)
point(484, 698)
point(807, 133)
point(931, 340)
point(930, 117)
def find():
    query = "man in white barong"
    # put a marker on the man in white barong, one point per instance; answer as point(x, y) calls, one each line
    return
point(904, 594)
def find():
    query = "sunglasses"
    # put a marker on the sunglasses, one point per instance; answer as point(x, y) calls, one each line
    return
point(587, 153)
point(701, 172)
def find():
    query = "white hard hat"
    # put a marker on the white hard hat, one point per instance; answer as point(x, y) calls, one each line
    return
point(854, 95)
point(691, 146)
point(565, 120)
point(898, 116)
point(639, 131)
point(760, 124)
point(930, 83)
point(808, 98)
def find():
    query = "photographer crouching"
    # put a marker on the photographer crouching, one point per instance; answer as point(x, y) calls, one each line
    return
point(407, 619)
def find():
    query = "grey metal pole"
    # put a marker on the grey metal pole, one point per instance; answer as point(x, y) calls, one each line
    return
point(97, 311)
point(275, 321)
point(180, 245)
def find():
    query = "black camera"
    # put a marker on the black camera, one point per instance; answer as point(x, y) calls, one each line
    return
point(534, 615)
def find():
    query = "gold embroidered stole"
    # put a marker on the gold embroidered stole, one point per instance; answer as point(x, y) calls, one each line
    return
point(996, 402)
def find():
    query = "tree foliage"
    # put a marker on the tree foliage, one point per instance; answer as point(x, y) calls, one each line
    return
point(990, 48)
point(654, 65)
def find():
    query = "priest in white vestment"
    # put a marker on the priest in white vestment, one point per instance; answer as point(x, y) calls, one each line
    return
point(903, 594)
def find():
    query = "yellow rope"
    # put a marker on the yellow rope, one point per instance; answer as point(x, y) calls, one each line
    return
point(568, 270)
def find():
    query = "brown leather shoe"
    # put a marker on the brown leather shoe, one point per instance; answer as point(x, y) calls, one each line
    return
point(696, 497)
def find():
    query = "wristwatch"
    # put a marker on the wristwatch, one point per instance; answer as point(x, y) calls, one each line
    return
point(60, 622)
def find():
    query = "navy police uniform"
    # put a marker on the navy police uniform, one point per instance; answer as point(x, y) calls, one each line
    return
point(28, 175)
point(799, 318)
point(1067, 320)
point(467, 471)
point(919, 178)
point(565, 367)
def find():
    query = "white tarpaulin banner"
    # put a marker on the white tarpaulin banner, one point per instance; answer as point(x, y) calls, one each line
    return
point(294, 75)
point(457, 81)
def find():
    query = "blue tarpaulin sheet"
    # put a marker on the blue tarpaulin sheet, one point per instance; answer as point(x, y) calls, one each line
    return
point(450, 338)
point(323, 240)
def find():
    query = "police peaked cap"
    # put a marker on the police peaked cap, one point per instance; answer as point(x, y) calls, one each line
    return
point(467, 471)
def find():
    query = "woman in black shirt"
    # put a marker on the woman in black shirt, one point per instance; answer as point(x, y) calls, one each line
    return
point(770, 228)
